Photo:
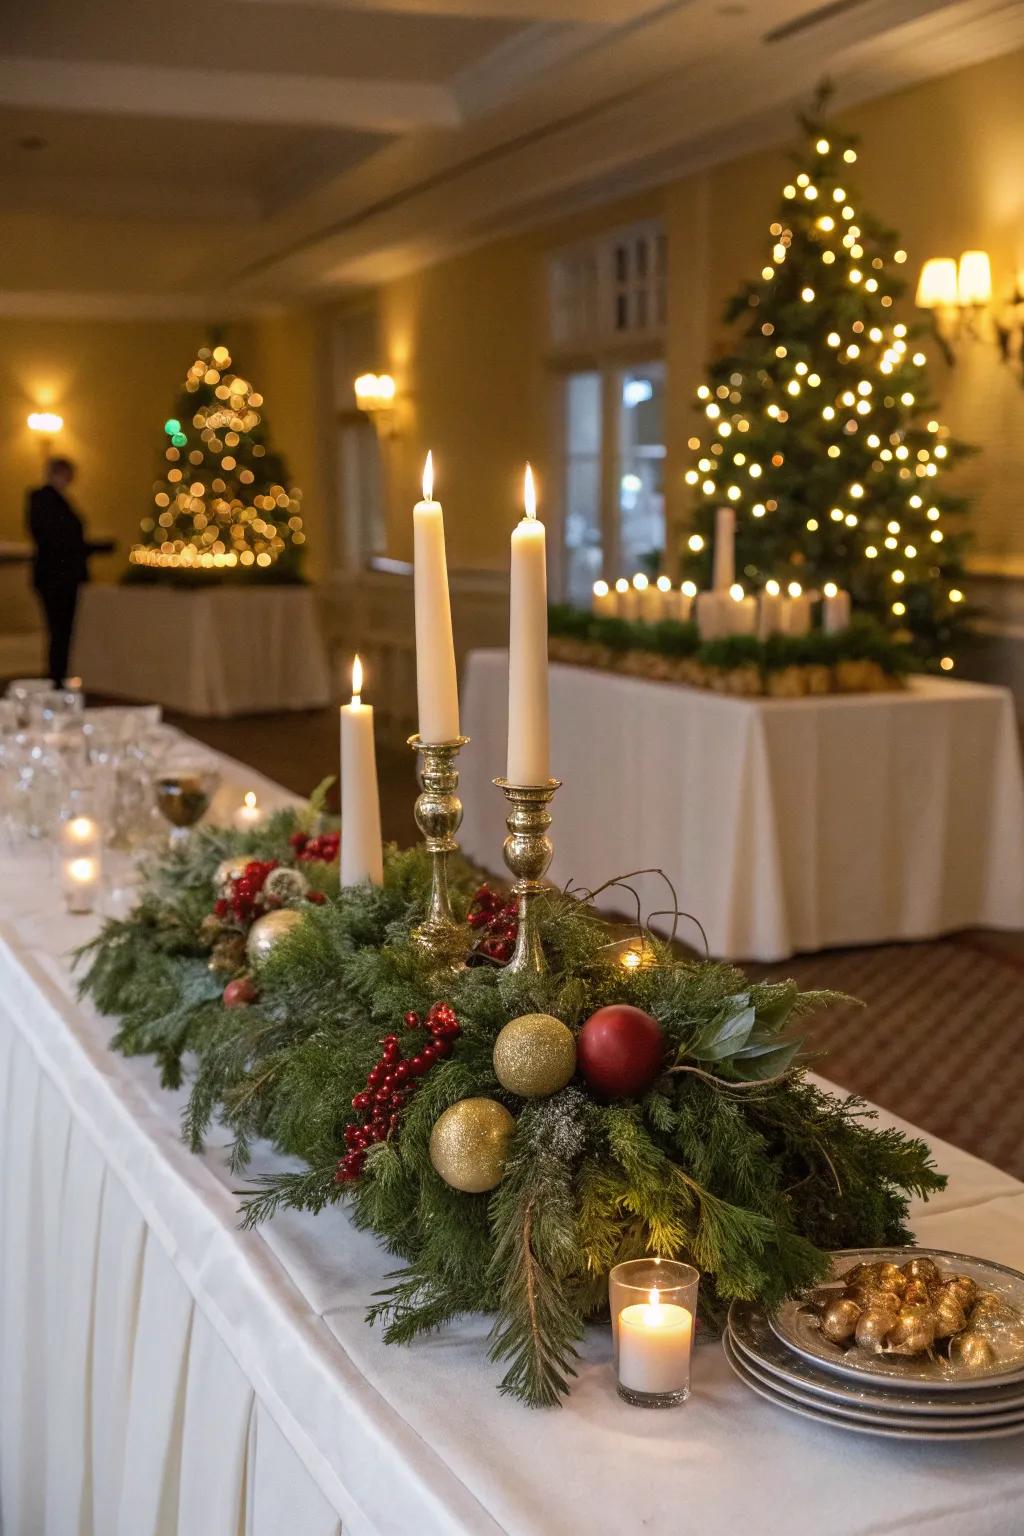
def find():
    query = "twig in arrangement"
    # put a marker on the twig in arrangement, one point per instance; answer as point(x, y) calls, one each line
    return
point(724, 1082)
point(644, 929)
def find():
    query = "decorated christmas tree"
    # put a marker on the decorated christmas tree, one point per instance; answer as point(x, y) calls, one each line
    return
point(223, 502)
point(820, 429)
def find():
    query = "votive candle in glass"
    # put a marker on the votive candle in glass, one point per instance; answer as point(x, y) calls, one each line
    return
point(80, 878)
point(653, 1306)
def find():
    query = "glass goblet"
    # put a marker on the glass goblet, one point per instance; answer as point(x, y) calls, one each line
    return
point(183, 795)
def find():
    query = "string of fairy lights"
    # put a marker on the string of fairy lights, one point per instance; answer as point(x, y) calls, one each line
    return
point(214, 509)
point(863, 421)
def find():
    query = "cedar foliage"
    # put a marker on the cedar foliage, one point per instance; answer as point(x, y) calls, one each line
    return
point(733, 1159)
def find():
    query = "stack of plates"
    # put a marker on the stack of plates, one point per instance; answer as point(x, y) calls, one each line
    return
point(788, 1362)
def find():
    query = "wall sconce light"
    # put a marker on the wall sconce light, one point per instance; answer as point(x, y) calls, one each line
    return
point(956, 293)
point(375, 394)
point(46, 422)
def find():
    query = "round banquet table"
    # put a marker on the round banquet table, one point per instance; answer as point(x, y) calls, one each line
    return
point(163, 1373)
point(786, 825)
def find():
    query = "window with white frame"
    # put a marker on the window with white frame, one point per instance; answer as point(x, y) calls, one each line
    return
point(607, 319)
point(609, 289)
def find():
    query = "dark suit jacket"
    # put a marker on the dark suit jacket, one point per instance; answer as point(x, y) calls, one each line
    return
point(61, 548)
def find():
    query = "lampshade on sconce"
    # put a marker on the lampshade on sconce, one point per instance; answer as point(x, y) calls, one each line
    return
point(974, 279)
point(46, 422)
point(958, 296)
point(937, 285)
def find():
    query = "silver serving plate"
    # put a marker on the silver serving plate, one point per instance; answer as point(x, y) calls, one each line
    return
point(762, 1351)
point(796, 1324)
point(838, 1418)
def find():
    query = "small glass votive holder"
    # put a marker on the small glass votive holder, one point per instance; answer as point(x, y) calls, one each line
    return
point(80, 877)
point(80, 850)
point(653, 1305)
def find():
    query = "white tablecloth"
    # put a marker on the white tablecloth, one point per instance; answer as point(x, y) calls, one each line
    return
point(229, 651)
point(164, 1374)
point(784, 825)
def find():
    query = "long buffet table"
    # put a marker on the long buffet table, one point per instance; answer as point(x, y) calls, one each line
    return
point(163, 1372)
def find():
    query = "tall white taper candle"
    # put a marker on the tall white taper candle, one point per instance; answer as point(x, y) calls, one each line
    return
point(725, 549)
point(362, 855)
point(436, 684)
point(528, 728)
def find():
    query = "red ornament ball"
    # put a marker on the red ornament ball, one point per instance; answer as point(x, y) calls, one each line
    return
point(619, 1051)
point(240, 992)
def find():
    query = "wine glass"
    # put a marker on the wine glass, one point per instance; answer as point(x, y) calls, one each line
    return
point(184, 790)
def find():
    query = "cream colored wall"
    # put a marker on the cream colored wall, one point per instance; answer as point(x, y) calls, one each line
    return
point(115, 382)
point(466, 339)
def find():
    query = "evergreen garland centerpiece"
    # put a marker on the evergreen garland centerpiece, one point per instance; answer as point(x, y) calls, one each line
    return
point(819, 424)
point(223, 503)
point(508, 1137)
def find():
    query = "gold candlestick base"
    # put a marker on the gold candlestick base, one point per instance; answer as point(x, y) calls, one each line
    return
point(527, 853)
point(438, 813)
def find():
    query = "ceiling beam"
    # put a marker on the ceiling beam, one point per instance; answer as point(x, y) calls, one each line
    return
point(130, 90)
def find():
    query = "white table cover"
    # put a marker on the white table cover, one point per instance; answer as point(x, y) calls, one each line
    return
point(164, 1374)
point(784, 825)
point(229, 651)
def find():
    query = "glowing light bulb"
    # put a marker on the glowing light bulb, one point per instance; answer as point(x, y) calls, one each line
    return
point(822, 146)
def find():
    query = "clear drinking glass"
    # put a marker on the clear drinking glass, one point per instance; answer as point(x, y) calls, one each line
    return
point(653, 1305)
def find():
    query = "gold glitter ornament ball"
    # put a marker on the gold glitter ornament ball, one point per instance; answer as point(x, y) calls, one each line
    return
point(268, 931)
point(469, 1142)
point(534, 1055)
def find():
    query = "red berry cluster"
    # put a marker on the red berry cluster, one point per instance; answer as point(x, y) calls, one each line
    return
point(246, 903)
point(390, 1082)
point(323, 849)
point(497, 917)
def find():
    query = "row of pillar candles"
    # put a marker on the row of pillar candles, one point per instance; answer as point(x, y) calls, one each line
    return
point(528, 761)
point(726, 609)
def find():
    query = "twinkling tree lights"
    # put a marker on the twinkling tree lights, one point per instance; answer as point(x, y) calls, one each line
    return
point(224, 502)
point(820, 430)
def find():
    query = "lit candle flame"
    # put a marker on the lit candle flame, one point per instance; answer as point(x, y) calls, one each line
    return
point(600, 589)
point(772, 587)
point(640, 582)
point(654, 1298)
point(736, 592)
point(428, 478)
point(529, 493)
point(795, 589)
point(249, 799)
point(830, 589)
point(357, 679)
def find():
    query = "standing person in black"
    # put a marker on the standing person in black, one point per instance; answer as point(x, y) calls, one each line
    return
point(60, 561)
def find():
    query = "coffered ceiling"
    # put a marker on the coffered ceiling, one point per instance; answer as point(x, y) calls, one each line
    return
point(261, 149)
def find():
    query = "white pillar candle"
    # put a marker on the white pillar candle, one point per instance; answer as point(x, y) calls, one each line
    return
point(627, 600)
point(528, 728)
point(362, 857)
point(835, 609)
point(651, 602)
point(742, 613)
point(654, 1346)
point(603, 602)
point(770, 610)
point(712, 614)
point(725, 549)
point(797, 611)
point(436, 683)
point(249, 814)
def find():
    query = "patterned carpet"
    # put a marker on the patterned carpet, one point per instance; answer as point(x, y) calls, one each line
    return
point(941, 1041)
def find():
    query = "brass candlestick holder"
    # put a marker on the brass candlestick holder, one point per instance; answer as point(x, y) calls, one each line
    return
point(438, 812)
point(527, 852)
